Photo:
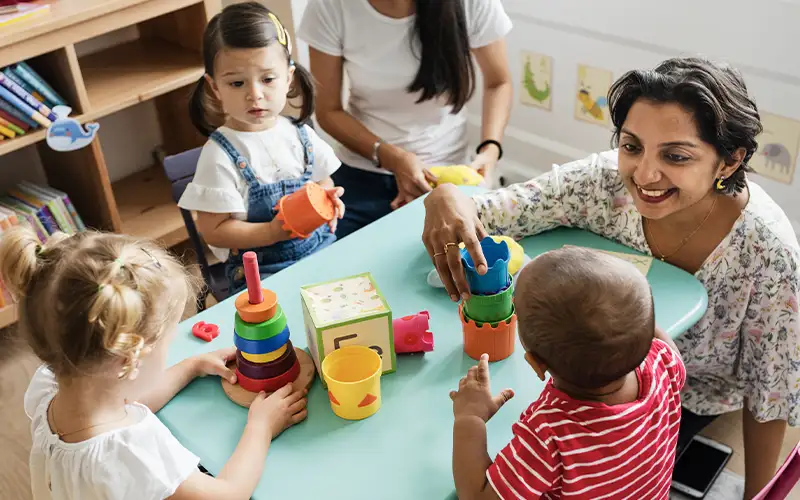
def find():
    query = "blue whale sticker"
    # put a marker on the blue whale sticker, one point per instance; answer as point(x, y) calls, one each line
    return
point(67, 134)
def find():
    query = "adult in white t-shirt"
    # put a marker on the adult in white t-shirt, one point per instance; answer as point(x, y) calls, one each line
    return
point(410, 73)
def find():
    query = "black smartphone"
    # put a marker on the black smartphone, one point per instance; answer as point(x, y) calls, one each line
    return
point(699, 466)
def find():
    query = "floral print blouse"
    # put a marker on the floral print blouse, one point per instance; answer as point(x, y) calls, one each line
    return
point(747, 345)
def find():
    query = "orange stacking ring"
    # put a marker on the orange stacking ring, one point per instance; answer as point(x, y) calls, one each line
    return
point(269, 384)
point(256, 313)
point(497, 341)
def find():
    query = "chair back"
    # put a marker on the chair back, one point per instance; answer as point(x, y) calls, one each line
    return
point(784, 480)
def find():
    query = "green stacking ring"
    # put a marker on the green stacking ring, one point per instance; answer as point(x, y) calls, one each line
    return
point(491, 308)
point(261, 331)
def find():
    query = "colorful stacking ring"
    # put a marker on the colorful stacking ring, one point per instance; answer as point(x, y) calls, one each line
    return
point(270, 384)
point(266, 370)
point(261, 346)
point(260, 331)
point(265, 358)
point(257, 313)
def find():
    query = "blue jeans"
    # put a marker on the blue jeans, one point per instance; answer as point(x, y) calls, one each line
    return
point(367, 197)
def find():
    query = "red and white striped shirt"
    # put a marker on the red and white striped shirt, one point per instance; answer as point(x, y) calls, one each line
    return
point(566, 448)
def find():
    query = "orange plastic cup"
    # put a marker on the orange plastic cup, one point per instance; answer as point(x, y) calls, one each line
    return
point(305, 210)
point(495, 339)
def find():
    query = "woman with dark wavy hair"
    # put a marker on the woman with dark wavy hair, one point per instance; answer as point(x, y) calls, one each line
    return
point(676, 188)
point(410, 73)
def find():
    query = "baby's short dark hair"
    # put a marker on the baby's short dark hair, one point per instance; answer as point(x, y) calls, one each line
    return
point(587, 315)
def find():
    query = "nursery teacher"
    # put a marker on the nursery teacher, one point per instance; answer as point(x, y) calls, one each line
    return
point(410, 73)
point(676, 189)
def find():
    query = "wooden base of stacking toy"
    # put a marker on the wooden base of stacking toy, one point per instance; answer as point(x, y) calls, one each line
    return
point(244, 398)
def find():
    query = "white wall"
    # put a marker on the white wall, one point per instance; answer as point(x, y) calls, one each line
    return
point(759, 38)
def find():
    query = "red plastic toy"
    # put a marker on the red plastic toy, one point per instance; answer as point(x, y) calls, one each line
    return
point(411, 333)
point(205, 331)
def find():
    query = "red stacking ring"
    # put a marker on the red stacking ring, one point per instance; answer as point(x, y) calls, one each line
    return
point(269, 384)
point(271, 369)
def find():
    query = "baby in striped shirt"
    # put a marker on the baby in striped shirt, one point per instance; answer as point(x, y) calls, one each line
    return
point(606, 424)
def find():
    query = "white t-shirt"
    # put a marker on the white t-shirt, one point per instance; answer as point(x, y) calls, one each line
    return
point(380, 65)
point(275, 154)
point(142, 461)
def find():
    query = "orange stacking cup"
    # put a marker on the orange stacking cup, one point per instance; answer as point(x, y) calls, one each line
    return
point(495, 339)
point(305, 210)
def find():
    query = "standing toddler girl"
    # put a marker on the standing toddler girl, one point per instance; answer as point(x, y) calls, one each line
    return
point(99, 310)
point(257, 156)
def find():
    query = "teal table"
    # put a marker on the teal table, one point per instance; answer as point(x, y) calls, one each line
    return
point(403, 451)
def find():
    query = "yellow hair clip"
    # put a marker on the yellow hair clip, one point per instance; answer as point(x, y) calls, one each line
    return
point(279, 28)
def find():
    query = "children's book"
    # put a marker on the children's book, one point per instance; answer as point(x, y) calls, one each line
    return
point(11, 126)
point(76, 218)
point(26, 97)
point(33, 79)
point(22, 12)
point(13, 111)
point(54, 203)
point(19, 81)
point(42, 212)
point(27, 213)
point(24, 127)
point(23, 107)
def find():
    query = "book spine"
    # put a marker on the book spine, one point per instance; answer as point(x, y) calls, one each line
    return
point(34, 80)
point(27, 98)
point(7, 132)
point(19, 81)
point(23, 107)
point(11, 110)
point(9, 125)
point(75, 217)
point(10, 119)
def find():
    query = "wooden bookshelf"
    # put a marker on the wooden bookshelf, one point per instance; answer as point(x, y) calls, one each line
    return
point(161, 65)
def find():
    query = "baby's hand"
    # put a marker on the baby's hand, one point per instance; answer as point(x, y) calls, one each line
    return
point(335, 194)
point(281, 410)
point(474, 396)
point(216, 363)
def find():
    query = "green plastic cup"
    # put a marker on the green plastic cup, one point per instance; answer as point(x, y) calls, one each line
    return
point(491, 308)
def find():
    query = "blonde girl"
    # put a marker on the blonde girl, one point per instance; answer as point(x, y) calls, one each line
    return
point(99, 310)
point(256, 156)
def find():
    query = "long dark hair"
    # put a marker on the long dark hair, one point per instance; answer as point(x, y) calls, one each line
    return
point(245, 26)
point(440, 30)
point(727, 118)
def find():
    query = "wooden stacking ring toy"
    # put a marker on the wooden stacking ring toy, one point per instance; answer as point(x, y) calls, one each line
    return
point(260, 312)
point(269, 384)
point(243, 397)
point(260, 331)
point(261, 346)
point(495, 339)
point(266, 370)
point(265, 358)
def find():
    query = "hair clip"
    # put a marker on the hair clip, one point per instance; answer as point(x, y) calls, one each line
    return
point(39, 249)
point(100, 287)
point(152, 257)
point(118, 261)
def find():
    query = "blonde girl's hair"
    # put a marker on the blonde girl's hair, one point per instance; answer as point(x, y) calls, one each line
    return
point(92, 300)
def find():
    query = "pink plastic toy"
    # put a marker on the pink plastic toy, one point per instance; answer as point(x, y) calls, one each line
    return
point(205, 331)
point(250, 262)
point(411, 333)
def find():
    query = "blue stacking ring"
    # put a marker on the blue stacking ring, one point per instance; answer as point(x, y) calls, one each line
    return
point(261, 346)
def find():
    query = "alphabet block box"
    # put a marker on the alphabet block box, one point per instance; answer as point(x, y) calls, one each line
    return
point(348, 311)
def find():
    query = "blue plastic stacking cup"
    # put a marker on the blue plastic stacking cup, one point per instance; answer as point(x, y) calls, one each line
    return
point(496, 278)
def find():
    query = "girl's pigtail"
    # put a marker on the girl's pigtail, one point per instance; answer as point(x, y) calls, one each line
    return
point(303, 87)
point(197, 108)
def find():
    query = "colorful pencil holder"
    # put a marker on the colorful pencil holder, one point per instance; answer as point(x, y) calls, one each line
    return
point(495, 339)
point(497, 256)
point(305, 210)
point(260, 331)
point(493, 307)
point(353, 376)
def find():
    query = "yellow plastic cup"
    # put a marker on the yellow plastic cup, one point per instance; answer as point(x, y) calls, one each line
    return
point(353, 375)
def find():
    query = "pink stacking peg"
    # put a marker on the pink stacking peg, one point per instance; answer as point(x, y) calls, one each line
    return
point(253, 278)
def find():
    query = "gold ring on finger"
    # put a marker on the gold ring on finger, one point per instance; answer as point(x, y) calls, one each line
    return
point(448, 245)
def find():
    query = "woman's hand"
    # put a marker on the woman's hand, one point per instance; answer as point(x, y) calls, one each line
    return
point(280, 410)
point(413, 178)
point(215, 363)
point(450, 218)
point(486, 161)
point(335, 194)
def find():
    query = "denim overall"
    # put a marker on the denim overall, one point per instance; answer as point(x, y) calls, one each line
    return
point(261, 200)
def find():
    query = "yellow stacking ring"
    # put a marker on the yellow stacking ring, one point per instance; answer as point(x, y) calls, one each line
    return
point(267, 357)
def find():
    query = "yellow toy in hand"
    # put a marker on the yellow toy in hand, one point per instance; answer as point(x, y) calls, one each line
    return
point(460, 175)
